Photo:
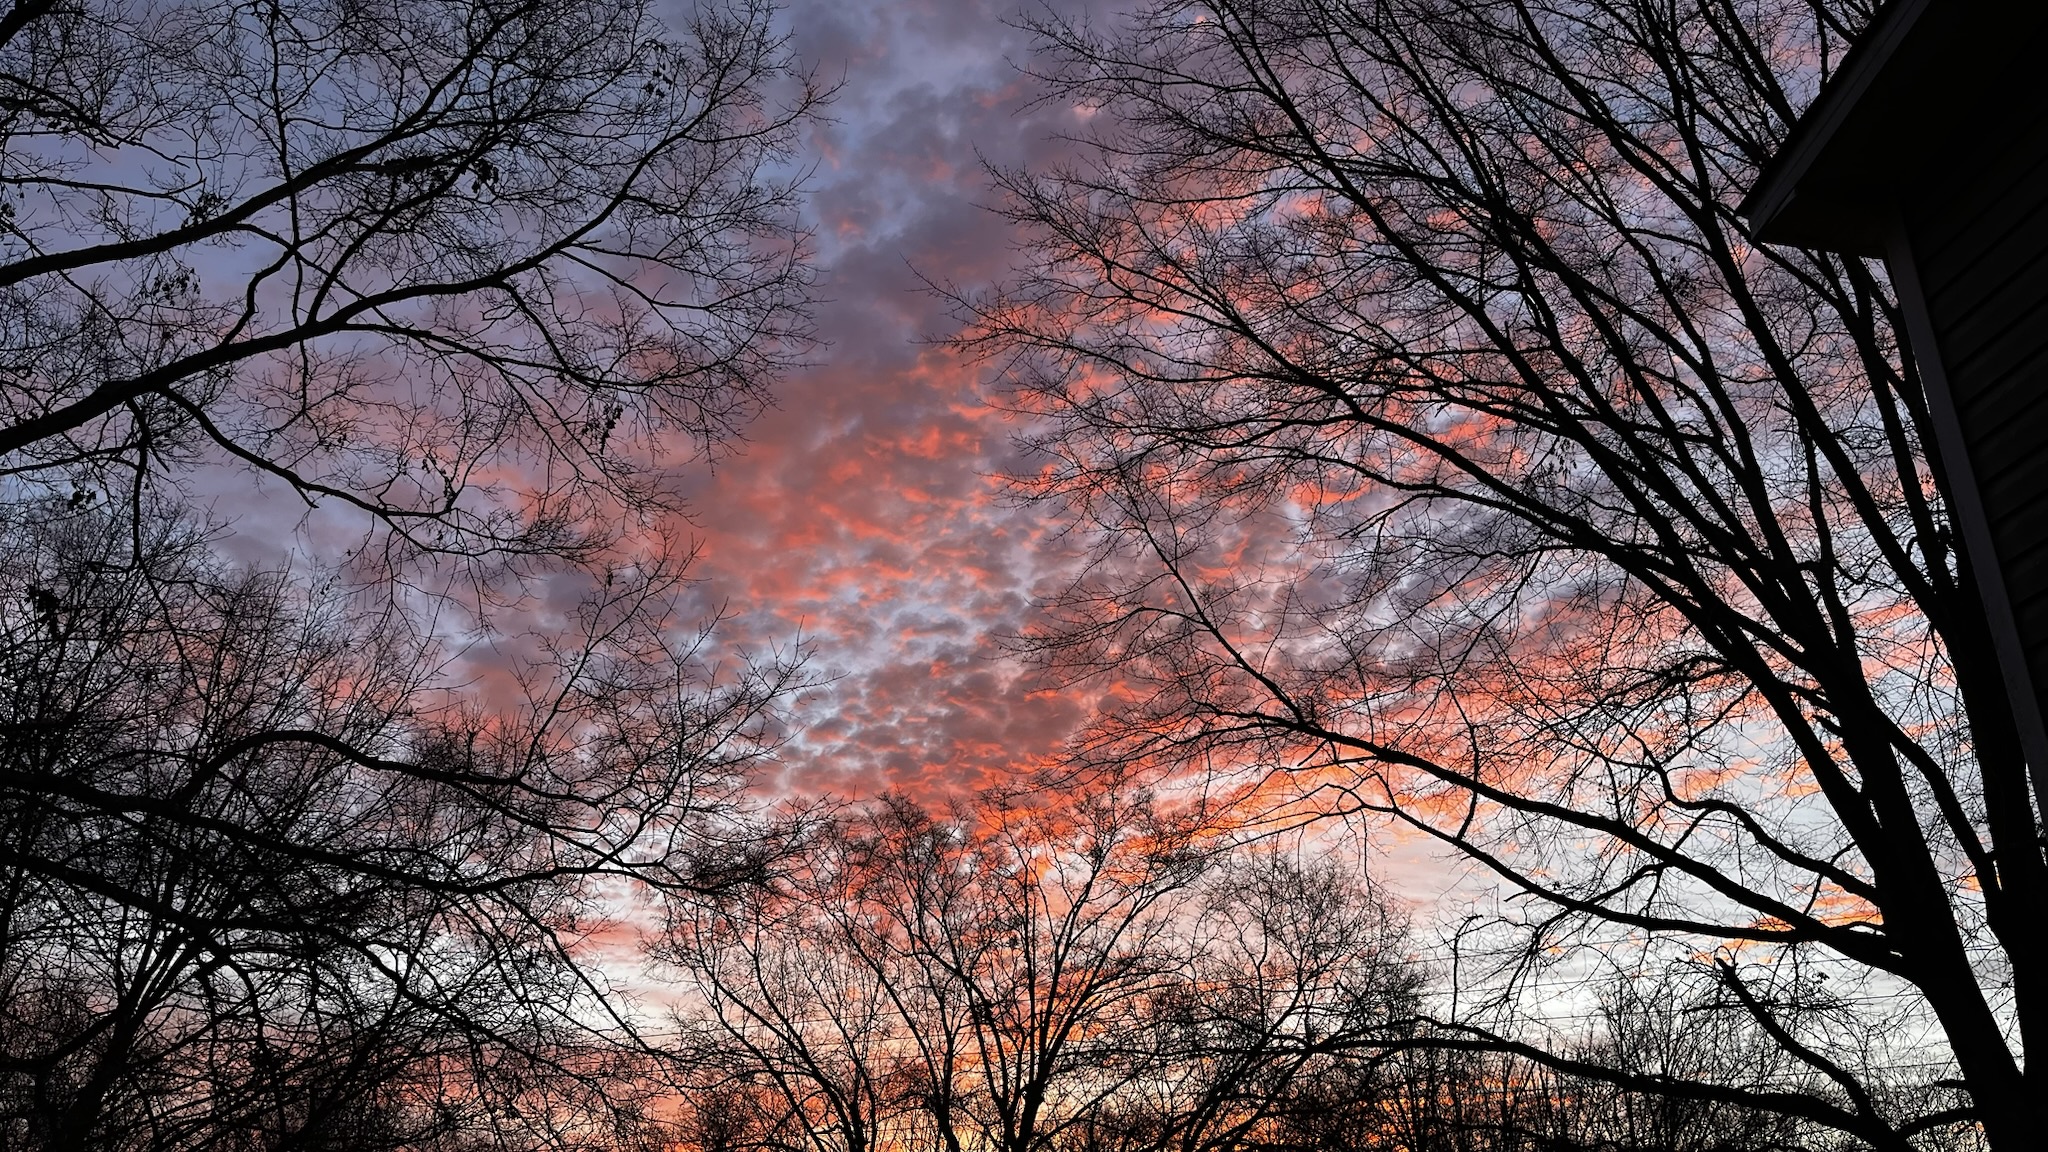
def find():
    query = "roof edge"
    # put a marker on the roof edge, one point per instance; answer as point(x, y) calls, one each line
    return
point(1776, 185)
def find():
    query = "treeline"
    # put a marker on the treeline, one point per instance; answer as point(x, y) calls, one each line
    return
point(1090, 973)
point(263, 886)
point(266, 883)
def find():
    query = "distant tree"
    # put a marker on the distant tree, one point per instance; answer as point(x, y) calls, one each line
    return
point(1449, 442)
point(1051, 975)
point(1429, 1099)
point(963, 980)
point(898, 992)
point(477, 270)
point(1658, 1031)
point(1301, 1027)
point(1294, 970)
point(266, 884)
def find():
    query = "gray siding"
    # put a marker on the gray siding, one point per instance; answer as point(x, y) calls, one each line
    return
point(1983, 259)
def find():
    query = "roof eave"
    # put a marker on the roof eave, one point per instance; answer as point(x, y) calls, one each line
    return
point(1770, 206)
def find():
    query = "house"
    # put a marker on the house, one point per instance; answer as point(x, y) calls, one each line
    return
point(1929, 148)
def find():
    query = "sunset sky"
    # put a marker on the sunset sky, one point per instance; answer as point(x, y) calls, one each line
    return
point(525, 620)
point(864, 510)
point(864, 513)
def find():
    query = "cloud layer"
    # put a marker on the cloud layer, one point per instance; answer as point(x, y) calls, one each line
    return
point(864, 512)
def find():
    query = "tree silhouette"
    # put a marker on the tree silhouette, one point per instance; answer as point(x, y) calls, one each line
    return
point(263, 884)
point(1015, 972)
point(902, 986)
point(956, 980)
point(1449, 444)
point(474, 271)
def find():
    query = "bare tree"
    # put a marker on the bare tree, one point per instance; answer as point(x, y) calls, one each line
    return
point(965, 981)
point(1450, 443)
point(1432, 1099)
point(264, 884)
point(1278, 1009)
point(476, 271)
point(1081, 974)
point(1294, 970)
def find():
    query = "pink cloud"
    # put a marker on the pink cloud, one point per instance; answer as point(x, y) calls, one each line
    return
point(863, 511)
